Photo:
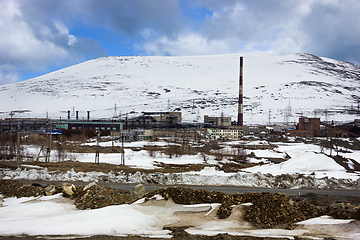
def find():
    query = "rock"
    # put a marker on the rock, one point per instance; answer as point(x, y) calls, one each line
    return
point(89, 186)
point(49, 190)
point(139, 190)
point(68, 188)
point(97, 196)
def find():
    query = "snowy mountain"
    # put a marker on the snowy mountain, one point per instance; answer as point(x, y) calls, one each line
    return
point(276, 88)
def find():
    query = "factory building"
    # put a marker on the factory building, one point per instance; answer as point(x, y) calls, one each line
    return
point(133, 134)
point(224, 133)
point(154, 120)
point(307, 127)
point(89, 125)
point(218, 121)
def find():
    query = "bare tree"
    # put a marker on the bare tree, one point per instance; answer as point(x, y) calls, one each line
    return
point(239, 155)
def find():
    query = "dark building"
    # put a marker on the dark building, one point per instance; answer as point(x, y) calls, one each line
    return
point(26, 124)
point(89, 125)
point(149, 120)
point(218, 121)
point(307, 127)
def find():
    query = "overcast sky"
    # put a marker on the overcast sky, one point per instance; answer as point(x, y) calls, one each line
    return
point(40, 36)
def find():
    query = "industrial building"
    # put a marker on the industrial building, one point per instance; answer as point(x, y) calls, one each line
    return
point(218, 121)
point(26, 124)
point(224, 133)
point(88, 125)
point(149, 120)
point(307, 127)
point(133, 134)
point(312, 127)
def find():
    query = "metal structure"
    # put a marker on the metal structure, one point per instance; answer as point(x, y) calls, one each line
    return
point(97, 153)
point(48, 151)
point(240, 110)
point(18, 153)
point(122, 150)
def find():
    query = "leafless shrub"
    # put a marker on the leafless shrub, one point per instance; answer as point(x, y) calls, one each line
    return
point(152, 152)
point(239, 155)
point(204, 156)
point(173, 150)
point(219, 155)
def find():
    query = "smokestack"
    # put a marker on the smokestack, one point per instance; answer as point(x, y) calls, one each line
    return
point(88, 115)
point(77, 115)
point(69, 115)
point(240, 110)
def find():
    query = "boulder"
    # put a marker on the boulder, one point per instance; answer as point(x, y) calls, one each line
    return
point(89, 186)
point(68, 188)
point(139, 190)
point(49, 190)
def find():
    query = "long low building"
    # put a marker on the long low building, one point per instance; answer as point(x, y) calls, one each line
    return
point(25, 124)
point(237, 132)
point(133, 134)
point(89, 125)
point(224, 133)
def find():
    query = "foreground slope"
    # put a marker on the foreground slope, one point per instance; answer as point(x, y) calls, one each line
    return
point(288, 86)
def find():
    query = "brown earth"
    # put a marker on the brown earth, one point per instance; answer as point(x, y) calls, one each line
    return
point(178, 234)
point(106, 168)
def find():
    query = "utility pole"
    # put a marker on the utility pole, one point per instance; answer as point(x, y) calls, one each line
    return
point(48, 152)
point(18, 157)
point(11, 133)
point(83, 128)
point(115, 112)
point(269, 117)
point(122, 150)
point(97, 154)
point(11, 115)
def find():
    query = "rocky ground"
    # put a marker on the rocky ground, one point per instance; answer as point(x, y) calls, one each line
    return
point(268, 210)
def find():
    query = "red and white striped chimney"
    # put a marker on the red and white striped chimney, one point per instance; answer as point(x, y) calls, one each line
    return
point(240, 110)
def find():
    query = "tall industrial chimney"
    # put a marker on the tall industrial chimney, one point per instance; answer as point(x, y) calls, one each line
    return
point(240, 110)
point(69, 115)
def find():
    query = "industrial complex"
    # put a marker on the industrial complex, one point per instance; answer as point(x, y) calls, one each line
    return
point(149, 124)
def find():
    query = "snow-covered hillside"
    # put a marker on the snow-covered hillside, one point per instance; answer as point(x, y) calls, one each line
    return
point(279, 88)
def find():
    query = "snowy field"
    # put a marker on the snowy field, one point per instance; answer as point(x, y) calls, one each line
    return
point(55, 215)
point(307, 167)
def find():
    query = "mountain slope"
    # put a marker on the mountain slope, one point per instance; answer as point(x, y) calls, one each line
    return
point(276, 88)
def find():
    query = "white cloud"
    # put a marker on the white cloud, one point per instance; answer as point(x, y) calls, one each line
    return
point(20, 47)
point(32, 44)
point(322, 27)
point(64, 31)
point(35, 34)
point(8, 74)
point(185, 44)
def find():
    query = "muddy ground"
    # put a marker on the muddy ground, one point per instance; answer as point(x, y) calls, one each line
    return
point(106, 167)
point(268, 210)
point(178, 234)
